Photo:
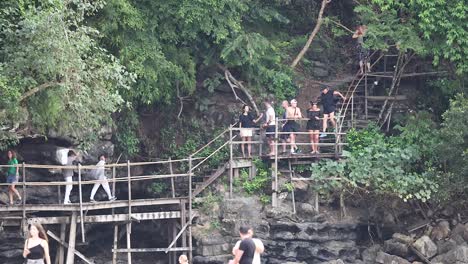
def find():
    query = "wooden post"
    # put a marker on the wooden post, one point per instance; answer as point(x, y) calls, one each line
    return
point(129, 224)
point(230, 162)
point(72, 240)
point(61, 250)
point(80, 188)
point(171, 170)
point(129, 187)
point(174, 234)
point(115, 246)
point(23, 221)
point(129, 243)
point(183, 220)
point(116, 226)
point(352, 112)
point(291, 174)
point(365, 96)
point(190, 208)
point(274, 184)
point(260, 148)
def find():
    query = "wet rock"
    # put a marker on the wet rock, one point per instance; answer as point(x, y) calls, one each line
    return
point(100, 148)
point(395, 247)
point(444, 246)
point(370, 254)
point(460, 233)
point(338, 261)
point(454, 256)
point(403, 238)
point(212, 259)
point(426, 246)
point(441, 230)
point(306, 210)
point(384, 258)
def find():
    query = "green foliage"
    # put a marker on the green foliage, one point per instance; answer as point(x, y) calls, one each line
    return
point(53, 71)
point(126, 137)
point(453, 149)
point(260, 183)
point(379, 164)
point(160, 188)
point(425, 26)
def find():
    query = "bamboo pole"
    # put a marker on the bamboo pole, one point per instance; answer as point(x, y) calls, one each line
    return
point(72, 240)
point(24, 196)
point(231, 154)
point(129, 243)
point(80, 188)
point(171, 170)
point(366, 109)
point(115, 244)
point(190, 211)
point(274, 185)
point(61, 250)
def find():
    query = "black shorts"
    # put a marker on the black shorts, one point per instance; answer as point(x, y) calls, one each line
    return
point(313, 125)
point(270, 130)
point(363, 53)
point(328, 109)
point(291, 126)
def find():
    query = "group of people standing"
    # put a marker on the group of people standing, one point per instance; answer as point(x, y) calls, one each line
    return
point(317, 120)
point(97, 174)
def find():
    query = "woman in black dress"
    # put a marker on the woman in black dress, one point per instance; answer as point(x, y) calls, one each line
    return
point(313, 125)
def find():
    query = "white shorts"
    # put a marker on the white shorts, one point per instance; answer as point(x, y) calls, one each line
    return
point(246, 132)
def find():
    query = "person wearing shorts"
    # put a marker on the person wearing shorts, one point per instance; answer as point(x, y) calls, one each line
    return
point(291, 125)
point(327, 99)
point(270, 126)
point(284, 137)
point(246, 123)
point(363, 52)
point(313, 125)
point(12, 176)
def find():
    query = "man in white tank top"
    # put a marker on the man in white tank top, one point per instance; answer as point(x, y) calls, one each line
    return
point(259, 248)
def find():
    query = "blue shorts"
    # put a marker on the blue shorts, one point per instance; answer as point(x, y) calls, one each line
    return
point(11, 178)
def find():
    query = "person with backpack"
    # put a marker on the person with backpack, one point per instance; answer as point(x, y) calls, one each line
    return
point(99, 174)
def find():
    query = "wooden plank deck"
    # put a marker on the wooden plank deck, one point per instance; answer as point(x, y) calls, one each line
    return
point(90, 206)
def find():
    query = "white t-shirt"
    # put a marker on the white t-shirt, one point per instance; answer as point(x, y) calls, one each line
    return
point(270, 115)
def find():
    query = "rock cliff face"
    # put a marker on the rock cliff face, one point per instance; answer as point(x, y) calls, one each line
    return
point(286, 238)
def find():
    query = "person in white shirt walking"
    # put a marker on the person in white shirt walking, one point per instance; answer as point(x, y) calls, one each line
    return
point(68, 176)
point(101, 177)
point(270, 126)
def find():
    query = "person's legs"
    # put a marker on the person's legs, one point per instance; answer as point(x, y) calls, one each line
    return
point(368, 66)
point(311, 139)
point(361, 67)
point(10, 194)
point(325, 122)
point(94, 190)
point(105, 185)
point(68, 189)
point(316, 140)
point(292, 137)
point(242, 146)
point(332, 119)
point(249, 146)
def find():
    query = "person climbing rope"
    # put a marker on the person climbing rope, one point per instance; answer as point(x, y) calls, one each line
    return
point(363, 52)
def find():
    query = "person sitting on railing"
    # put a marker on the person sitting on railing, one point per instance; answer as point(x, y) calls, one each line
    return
point(270, 126)
point(291, 125)
point(12, 176)
point(363, 52)
point(327, 98)
point(99, 174)
point(313, 125)
point(284, 137)
point(68, 176)
point(246, 123)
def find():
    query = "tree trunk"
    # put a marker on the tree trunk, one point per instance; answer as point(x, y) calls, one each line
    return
point(312, 35)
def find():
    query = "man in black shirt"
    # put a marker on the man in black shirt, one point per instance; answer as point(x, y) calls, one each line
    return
point(327, 98)
point(246, 251)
